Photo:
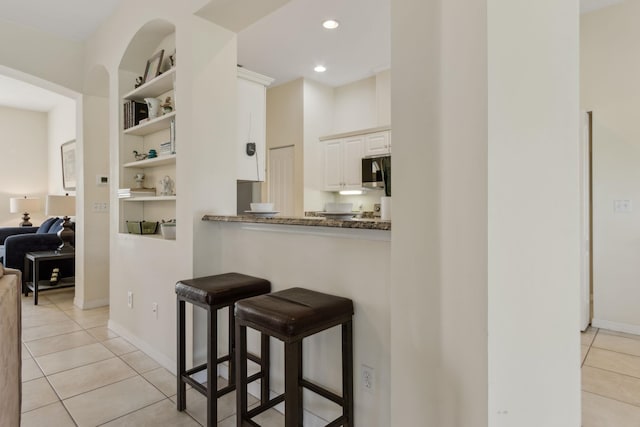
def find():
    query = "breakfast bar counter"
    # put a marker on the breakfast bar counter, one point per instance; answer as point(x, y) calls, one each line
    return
point(363, 224)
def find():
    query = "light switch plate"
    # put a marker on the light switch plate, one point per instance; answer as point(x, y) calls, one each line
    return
point(622, 206)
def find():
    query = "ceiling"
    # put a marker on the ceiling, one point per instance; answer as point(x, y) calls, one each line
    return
point(285, 44)
point(290, 42)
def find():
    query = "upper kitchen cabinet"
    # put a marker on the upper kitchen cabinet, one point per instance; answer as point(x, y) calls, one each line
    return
point(252, 119)
point(377, 143)
point(343, 163)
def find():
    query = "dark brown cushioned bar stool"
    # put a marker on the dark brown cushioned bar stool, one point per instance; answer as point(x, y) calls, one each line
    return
point(214, 293)
point(291, 315)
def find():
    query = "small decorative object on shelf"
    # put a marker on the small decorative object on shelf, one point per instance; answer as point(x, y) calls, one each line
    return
point(166, 106)
point(142, 227)
point(139, 156)
point(172, 136)
point(152, 154)
point(168, 229)
point(139, 82)
point(139, 180)
point(166, 186)
point(134, 113)
point(153, 105)
point(172, 59)
point(54, 276)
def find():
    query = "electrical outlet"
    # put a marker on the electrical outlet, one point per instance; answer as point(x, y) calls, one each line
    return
point(154, 309)
point(368, 379)
point(130, 299)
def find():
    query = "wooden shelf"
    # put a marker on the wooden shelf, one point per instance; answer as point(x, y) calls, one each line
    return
point(156, 87)
point(151, 126)
point(168, 159)
point(149, 199)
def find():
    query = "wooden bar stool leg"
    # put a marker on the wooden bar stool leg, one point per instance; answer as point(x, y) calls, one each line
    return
point(292, 387)
point(265, 353)
point(232, 346)
point(212, 367)
point(347, 372)
point(182, 387)
point(241, 374)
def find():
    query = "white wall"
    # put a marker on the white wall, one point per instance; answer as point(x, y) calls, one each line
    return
point(61, 129)
point(484, 260)
point(383, 97)
point(317, 121)
point(534, 213)
point(609, 66)
point(24, 170)
point(205, 169)
point(355, 106)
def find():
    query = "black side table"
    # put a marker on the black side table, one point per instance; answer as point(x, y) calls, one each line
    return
point(37, 285)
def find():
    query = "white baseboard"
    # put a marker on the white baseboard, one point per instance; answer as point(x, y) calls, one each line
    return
point(164, 361)
point(90, 304)
point(615, 326)
point(310, 419)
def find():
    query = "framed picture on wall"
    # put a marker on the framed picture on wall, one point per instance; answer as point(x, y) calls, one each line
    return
point(68, 150)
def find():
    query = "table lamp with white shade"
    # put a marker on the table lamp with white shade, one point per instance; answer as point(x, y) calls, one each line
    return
point(63, 206)
point(24, 205)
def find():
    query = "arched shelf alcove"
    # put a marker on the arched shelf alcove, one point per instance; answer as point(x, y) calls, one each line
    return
point(147, 154)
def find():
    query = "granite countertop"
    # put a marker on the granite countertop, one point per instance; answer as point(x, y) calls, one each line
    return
point(364, 224)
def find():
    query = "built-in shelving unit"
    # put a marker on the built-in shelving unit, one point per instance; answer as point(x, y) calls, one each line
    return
point(142, 138)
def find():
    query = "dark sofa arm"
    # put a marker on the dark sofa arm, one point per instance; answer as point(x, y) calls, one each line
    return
point(15, 247)
point(10, 231)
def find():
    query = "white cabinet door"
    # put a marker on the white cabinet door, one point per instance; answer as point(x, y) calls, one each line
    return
point(377, 144)
point(333, 165)
point(353, 150)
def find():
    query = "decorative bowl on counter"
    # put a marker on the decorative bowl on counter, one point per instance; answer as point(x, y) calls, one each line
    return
point(338, 207)
point(261, 207)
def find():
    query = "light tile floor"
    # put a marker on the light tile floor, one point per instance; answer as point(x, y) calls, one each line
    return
point(77, 372)
point(610, 379)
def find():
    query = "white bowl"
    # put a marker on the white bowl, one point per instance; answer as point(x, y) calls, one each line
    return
point(338, 207)
point(262, 207)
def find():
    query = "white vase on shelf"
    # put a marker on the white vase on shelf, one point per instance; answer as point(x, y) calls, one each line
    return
point(153, 106)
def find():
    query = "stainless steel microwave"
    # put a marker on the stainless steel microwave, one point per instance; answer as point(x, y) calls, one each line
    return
point(374, 170)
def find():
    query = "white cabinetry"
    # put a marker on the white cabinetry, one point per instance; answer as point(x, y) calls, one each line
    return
point(377, 143)
point(252, 107)
point(343, 155)
point(343, 163)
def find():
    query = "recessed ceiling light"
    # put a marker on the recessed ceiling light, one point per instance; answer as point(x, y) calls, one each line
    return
point(320, 69)
point(330, 24)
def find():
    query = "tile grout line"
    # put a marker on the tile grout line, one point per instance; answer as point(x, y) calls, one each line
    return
point(610, 398)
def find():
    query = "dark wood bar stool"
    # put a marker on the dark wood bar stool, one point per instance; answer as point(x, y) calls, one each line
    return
point(214, 293)
point(291, 315)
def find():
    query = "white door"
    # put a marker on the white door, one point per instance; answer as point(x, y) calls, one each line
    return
point(281, 169)
point(585, 221)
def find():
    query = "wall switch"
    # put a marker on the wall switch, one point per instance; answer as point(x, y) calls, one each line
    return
point(622, 206)
point(368, 379)
point(130, 299)
point(100, 207)
point(102, 180)
point(154, 309)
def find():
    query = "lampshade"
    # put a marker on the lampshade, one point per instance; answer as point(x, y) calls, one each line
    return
point(61, 205)
point(24, 204)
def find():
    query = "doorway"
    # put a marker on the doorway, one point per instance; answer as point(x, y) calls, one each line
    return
point(281, 175)
point(586, 231)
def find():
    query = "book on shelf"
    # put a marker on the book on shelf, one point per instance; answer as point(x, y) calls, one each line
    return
point(134, 112)
point(125, 193)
